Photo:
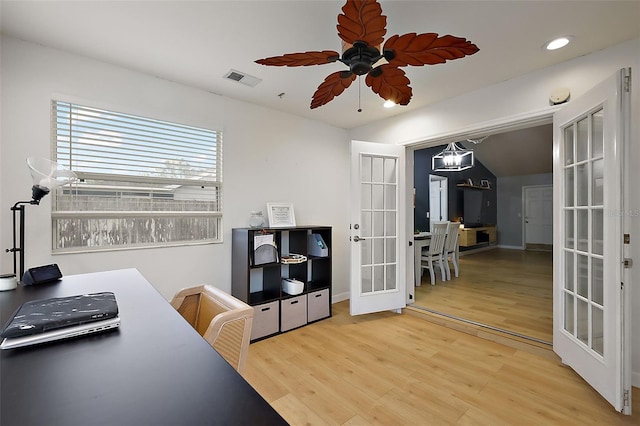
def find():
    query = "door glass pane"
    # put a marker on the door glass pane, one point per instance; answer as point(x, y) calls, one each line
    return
point(390, 170)
point(598, 330)
point(367, 284)
point(582, 185)
point(583, 230)
point(365, 252)
point(568, 229)
point(378, 278)
point(377, 171)
point(582, 140)
point(391, 277)
point(597, 287)
point(378, 197)
point(568, 312)
point(597, 141)
point(582, 321)
point(583, 275)
point(378, 224)
point(378, 250)
point(598, 182)
point(390, 197)
point(366, 226)
point(568, 145)
point(365, 169)
point(365, 196)
point(568, 270)
point(568, 187)
point(391, 250)
point(390, 224)
point(597, 233)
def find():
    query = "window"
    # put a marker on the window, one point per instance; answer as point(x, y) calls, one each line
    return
point(141, 182)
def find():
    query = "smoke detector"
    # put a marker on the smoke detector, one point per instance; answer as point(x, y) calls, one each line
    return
point(240, 77)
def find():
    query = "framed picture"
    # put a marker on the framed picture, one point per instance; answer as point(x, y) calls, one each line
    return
point(281, 215)
point(485, 183)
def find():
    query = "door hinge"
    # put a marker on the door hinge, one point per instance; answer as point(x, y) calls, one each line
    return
point(627, 263)
point(626, 239)
point(625, 398)
point(627, 83)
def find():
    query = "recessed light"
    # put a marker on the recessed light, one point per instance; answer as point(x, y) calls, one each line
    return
point(558, 43)
point(389, 104)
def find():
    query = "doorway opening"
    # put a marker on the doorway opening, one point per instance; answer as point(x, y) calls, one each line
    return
point(506, 286)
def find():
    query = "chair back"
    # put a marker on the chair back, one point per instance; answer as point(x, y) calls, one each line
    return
point(452, 237)
point(221, 319)
point(438, 236)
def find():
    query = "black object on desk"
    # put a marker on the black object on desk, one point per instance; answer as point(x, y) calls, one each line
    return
point(156, 369)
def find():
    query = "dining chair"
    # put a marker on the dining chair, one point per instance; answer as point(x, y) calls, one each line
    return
point(222, 320)
point(451, 248)
point(434, 252)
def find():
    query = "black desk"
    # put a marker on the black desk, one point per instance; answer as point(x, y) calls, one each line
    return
point(155, 370)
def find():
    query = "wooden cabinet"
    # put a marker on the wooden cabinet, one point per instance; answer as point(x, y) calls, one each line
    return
point(260, 284)
point(472, 236)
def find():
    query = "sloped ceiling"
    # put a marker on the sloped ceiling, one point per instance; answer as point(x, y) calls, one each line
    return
point(519, 152)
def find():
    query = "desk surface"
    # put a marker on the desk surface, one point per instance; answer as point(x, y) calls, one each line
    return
point(154, 370)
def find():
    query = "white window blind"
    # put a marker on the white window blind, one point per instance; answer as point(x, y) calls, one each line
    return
point(142, 182)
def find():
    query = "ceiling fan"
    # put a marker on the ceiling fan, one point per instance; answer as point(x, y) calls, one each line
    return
point(362, 28)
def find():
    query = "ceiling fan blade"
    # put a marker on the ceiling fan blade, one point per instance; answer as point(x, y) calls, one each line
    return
point(301, 59)
point(332, 86)
point(362, 20)
point(390, 83)
point(426, 49)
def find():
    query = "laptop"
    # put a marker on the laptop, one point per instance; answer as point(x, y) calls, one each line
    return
point(47, 320)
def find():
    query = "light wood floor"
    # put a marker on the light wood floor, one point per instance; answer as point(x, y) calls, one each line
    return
point(396, 369)
point(508, 289)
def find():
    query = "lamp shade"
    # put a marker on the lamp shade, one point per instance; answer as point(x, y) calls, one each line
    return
point(452, 159)
point(48, 175)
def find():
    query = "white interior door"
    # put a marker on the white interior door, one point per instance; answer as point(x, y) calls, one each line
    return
point(378, 240)
point(438, 199)
point(538, 215)
point(590, 302)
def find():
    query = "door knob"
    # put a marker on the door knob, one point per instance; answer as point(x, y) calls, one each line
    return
point(357, 238)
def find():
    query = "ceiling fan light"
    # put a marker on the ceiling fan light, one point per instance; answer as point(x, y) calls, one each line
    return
point(557, 43)
point(389, 103)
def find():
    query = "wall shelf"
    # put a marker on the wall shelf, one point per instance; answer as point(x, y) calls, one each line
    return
point(466, 185)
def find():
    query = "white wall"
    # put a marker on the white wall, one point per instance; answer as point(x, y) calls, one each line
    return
point(528, 96)
point(268, 156)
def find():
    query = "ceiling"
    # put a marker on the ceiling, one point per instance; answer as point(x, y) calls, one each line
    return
point(519, 152)
point(196, 43)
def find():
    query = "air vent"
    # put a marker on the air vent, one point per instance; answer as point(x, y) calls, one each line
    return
point(243, 78)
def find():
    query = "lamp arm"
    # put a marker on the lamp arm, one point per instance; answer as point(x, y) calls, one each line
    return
point(32, 202)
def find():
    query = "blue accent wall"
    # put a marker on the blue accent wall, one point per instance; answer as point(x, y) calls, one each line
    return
point(422, 170)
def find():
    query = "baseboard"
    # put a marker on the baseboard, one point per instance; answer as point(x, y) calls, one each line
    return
point(335, 298)
point(502, 246)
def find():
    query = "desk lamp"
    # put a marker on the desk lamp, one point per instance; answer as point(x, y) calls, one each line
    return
point(46, 175)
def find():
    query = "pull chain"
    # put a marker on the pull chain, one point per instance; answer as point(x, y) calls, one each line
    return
point(359, 91)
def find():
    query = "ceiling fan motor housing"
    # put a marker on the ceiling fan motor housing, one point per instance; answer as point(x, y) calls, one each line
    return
point(360, 57)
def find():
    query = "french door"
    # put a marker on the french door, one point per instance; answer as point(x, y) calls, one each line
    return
point(590, 300)
point(377, 234)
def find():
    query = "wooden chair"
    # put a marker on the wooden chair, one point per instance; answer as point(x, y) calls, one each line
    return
point(224, 321)
point(451, 248)
point(434, 253)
